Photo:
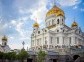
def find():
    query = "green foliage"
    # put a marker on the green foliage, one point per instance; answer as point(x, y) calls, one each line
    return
point(41, 56)
point(23, 54)
point(11, 55)
point(1, 55)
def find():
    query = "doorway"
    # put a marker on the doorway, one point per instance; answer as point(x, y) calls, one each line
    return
point(75, 57)
point(54, 60)
point(29, 60)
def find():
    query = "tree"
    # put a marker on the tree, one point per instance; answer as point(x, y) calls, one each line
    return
point(41, 56)
point(10, 56)
point(1, 56)
point(23, 55)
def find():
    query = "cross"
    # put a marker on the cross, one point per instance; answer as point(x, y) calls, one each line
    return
point(54, 2)
point(36, 19)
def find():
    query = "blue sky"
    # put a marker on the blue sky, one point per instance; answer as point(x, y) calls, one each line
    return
point(18, 16)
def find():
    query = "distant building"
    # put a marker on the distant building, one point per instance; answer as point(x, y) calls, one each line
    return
point(15, 50)
point(4, 47)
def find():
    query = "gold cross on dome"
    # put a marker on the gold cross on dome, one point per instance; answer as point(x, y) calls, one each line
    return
point(54, 2)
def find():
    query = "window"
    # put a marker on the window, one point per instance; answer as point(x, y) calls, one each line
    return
point(45, 40)
point(75, 40)
point(63, 40)
point(33, 42)
point(69, 40)
point(32, 34)
point(57, 40)
point(57, 30)
point(79, 32)
point(57, 21)
point(53, 21)
point(5, 43)
point(45, 30)
point(49, 23)
point(38, 32)
point(62, 21)
point(37, 41)
point(63, 30)
point(51, 39)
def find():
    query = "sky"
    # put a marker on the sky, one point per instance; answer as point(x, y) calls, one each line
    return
point(18, 16)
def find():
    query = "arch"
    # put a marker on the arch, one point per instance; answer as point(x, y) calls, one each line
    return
point(29, 60)
point(57, 21)
point(75, 57)
point(62, 21)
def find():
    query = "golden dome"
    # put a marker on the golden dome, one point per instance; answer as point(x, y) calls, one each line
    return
point(4, 38)
point(55, 11)
point(74, 24)
point(35, 24)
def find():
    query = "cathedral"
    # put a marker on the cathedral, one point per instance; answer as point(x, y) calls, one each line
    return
point(57, 38)
point(4, 47)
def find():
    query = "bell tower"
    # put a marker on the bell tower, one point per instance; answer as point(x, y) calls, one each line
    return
point(35, 26)
point(54, 17)
point(4, 40)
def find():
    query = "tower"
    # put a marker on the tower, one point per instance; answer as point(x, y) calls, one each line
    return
point(74, 25)
point(54, 17)
point(4, 40)
point(35, 27)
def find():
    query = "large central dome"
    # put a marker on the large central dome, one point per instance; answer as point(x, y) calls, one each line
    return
point(55, 11)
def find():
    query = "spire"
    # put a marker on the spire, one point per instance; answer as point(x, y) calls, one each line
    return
point(23, 43)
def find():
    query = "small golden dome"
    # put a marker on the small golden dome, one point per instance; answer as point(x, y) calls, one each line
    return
point(55, 11)
point(4, 38)
point(35, 24)
point(74, 24)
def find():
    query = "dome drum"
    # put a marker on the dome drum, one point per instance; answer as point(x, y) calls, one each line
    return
point(4, 38)
point(36, 25)
point(74, 24)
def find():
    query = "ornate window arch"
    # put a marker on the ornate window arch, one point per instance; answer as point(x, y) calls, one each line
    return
point(57, 21)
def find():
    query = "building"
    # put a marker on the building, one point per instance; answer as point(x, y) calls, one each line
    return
point(57, 36)
point(4, 47)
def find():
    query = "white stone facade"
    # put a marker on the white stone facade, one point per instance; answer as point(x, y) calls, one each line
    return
point(56, 35)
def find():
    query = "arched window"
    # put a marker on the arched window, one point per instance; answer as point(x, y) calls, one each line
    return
point(57, 40)
point(62, 21)
point(49, 23)
point(63, 30)
point(57, 30)
point(69, 40)
point(57, 21)
point(53, 21)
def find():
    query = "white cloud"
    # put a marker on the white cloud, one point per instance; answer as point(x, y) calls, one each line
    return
point(68, 2)
point(36, 10)
point(75, 7)
point(22, 33)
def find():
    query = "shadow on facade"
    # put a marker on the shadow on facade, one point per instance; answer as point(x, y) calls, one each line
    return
point(75, 57)
point(53, 60)
point(29, 60)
